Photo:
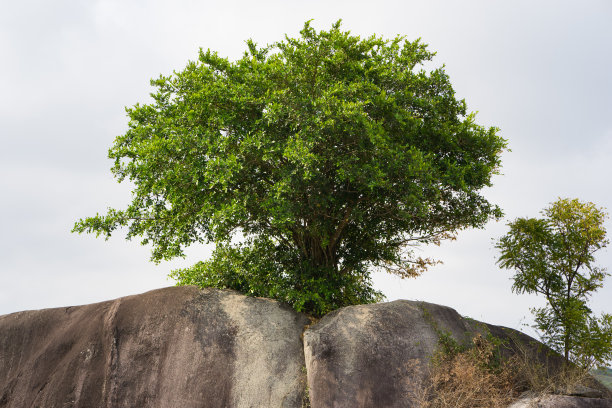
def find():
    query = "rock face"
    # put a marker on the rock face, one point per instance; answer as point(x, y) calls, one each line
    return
point(561, 401)
point(376, 355)
point(173, 347)
point(183, 347)
point(365, 356)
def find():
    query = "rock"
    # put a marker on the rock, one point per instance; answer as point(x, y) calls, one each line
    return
point(587, 392)
point(174, 347)
point(372, 355)
point(185, 347)
point(377, 355)
point(561, 401)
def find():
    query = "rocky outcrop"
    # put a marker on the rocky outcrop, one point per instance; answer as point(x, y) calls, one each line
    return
point(184, 347)
point(371, 355)
point(174, 347)
point(377, 355)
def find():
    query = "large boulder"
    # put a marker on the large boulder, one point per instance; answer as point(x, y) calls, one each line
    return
point(174, 347)
point(377, 355)
point(365, 356)
point(186, 347)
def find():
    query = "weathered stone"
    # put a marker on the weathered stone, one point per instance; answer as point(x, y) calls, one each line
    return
point(377, 355)
point(561, 401)
point(369, 355)
point(186, 347)
point(174, 347)
point(582, 391)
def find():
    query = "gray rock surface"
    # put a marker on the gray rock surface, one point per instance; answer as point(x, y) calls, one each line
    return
point(185, 347)
point(561, 401)
point(365, 356)
point(377, 355)
point(582, 391)
point(174, 347)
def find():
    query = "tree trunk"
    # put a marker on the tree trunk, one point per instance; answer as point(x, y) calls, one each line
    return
point(313, 250)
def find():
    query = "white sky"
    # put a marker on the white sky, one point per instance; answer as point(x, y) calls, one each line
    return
point(540, 71)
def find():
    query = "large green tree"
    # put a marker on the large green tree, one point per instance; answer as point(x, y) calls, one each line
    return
point(554, 256)
point(308, 163)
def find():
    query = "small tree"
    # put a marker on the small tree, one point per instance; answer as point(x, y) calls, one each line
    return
point(327, 155)
point(554, 256)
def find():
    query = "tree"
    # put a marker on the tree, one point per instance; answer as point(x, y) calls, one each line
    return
point(323, 156)
point(554, 256)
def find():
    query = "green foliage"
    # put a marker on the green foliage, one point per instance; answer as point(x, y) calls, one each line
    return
point(250, 269)
point(554, 256)
point(336, 153)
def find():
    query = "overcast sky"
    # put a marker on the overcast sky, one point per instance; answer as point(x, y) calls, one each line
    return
point(540, 71)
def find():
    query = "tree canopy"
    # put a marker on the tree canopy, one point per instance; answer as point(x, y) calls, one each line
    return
point(308, 163)
point(554, 257)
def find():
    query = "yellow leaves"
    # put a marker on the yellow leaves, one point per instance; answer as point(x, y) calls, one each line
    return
point(572, 213)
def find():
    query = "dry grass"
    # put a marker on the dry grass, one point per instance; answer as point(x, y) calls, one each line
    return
point(477, 378)
point(469, 379)
point(548, 378)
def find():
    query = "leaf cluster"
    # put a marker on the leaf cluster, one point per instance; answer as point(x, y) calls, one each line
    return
point(554, 256)
point(333, 151)
point(249, 269)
